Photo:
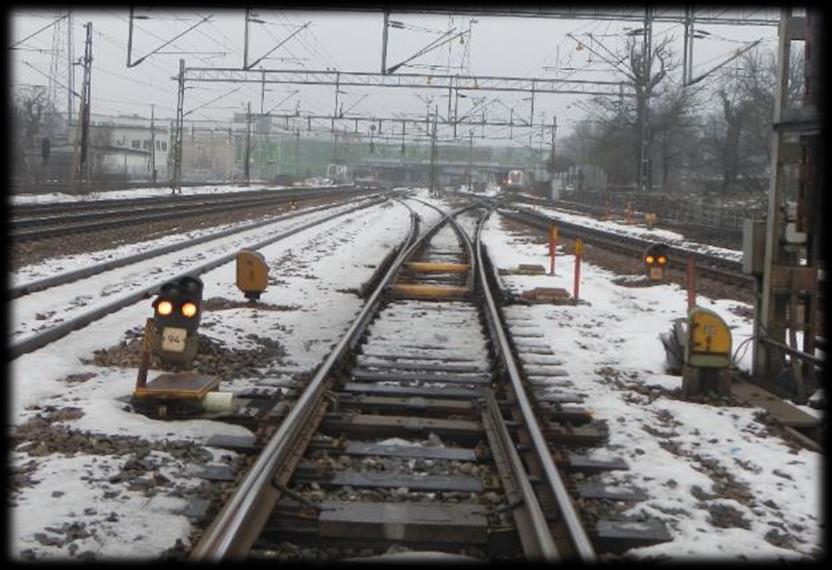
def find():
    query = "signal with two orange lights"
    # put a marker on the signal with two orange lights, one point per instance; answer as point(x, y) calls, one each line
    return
point(177, 315)
point(655, 261)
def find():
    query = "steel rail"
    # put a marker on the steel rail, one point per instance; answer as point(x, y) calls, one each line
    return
point(43, 229)
point(91, 270)
point(236, 528)
point(731, 233)
point(532, 526)
point(230, 534)
point(717, 266)
point(583, 547)
point(39, 340)
point(23, 210)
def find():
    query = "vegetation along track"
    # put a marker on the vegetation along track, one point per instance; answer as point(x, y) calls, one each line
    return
point(53, 220)
point(471, 469)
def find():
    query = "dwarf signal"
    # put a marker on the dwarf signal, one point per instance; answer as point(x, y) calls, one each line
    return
point(177, 314)
point(655, 261)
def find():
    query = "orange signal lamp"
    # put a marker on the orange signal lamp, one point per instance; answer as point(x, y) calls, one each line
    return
point(662, 260)
point(164, 308)
point(649, 259)
point(189, 309)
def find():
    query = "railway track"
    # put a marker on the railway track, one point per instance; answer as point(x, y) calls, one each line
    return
point(725, 270)
point(472, 468)
point(52, 331)
point(36, 222)
point(722, 236)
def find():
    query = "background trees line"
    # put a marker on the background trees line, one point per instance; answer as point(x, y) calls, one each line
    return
point(710, 138)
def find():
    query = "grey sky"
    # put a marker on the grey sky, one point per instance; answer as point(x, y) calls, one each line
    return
point(503, 46)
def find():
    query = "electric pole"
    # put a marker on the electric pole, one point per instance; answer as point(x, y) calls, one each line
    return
point(153, 142)
point(433, 189)
point(644, 178)
point(248, 145)
point(552, 160)
point(70, 57)
point(470, 159)
point(176, 180)
point(384, 43)
point(83, 173)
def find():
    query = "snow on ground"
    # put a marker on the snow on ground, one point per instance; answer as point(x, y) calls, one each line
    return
point(44, 309)
point(640, 231)
point(138, 192)
point(700, 465)
point(313, 275)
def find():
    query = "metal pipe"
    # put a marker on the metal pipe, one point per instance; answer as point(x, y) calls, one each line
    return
point(793, 351)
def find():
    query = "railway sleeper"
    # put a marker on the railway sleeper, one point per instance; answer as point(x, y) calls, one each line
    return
point(390, 404)
point(404, 391)
point(364, 374)
point(405, 522)
point(374, 353)
point(391, 426)
point(588, 435)
point(362, 448)
point(375, 364)
point(560, 397)
point(310, 472)
point(616, 536)
point(572, 462)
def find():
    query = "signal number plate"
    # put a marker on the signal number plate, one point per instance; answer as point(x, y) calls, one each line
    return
point(173, 339)
point(656, 273)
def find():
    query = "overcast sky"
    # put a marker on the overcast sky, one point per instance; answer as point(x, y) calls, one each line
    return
point(497, 46)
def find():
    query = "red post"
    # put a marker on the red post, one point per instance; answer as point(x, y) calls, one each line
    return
point(691, 283)
point(553, 243)
point(579, 246)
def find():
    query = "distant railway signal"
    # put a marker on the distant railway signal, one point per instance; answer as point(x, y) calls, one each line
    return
point(655, 260)
point(177, 314)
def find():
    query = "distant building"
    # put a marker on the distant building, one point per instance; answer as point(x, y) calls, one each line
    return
point(125, 148)
point(208, 155)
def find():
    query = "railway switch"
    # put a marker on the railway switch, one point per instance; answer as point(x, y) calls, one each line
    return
point(655, 260)
point(252, 274)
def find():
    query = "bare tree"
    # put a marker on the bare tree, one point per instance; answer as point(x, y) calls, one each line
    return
point(740, 132)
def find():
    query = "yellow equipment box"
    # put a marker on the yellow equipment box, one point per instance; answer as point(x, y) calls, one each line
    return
point(709, 340)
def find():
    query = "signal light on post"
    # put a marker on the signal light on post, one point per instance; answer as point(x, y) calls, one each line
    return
point(649, 259)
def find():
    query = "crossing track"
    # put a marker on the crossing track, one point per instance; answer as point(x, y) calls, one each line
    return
point(720, 268)
point(427, 354)
point(43, 221)
point(89, 271)
point(45, 337)
point(723, 236)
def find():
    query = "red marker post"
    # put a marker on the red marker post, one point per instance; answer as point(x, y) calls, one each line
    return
point(553, 243)
point(579, 246)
